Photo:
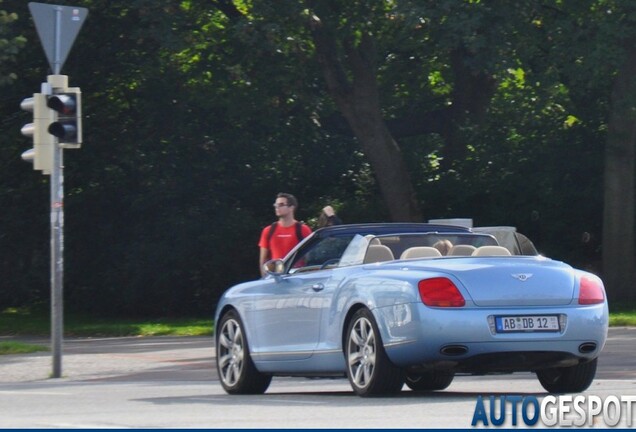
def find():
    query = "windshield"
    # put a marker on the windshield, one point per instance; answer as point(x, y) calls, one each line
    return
point(354, 254)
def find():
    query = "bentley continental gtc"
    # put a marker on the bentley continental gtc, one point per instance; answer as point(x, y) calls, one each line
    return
point(416, 304)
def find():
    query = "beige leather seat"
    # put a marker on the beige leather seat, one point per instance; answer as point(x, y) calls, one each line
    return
point(372, 239)
point(462, 250)
point(491, 251)
point(420, 252)
point(377, 253)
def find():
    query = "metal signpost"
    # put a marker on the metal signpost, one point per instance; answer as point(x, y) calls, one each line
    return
point(56, 125)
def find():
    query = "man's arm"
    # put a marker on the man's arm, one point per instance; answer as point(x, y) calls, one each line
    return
point(264, 255)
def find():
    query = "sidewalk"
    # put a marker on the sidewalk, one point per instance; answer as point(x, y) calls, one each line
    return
point(114, 358)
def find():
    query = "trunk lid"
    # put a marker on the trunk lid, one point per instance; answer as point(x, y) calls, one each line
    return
point(511, 281)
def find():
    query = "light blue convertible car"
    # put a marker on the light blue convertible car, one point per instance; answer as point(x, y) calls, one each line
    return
point(395, 303)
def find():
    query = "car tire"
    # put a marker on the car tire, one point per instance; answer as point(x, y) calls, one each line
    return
point(429, 381)
point(369, 369)
point(237, 372)
point(573, 379)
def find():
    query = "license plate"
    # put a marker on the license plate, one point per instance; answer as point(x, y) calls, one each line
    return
point(527, 323)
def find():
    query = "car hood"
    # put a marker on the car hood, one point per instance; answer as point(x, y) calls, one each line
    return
point(509, 281)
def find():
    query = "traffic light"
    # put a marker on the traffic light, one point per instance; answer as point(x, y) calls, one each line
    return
point(67, 127)
point(41, 155)
point(57, 122)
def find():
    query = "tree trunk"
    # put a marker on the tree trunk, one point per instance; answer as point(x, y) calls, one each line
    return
point(618, 210)
point(359, 102)
point(387, 161)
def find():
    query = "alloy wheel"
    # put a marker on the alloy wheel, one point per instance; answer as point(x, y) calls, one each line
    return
point(361, 352)
point(231, 352)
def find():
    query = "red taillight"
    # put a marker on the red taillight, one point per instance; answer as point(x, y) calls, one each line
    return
point(591, 291)
point(440, 292)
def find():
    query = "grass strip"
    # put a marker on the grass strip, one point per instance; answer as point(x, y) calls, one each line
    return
point(25, 323)
point(10, 347)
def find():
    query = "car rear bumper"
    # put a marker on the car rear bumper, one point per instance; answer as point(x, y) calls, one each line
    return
point(463, 339)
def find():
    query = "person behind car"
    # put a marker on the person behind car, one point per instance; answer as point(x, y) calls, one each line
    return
point(444, 246)
point(283, 235)
point(328, 217)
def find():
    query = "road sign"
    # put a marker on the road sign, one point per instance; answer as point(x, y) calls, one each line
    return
point(57, 28)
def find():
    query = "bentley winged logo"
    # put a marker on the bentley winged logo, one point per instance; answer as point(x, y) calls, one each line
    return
point(522, 276)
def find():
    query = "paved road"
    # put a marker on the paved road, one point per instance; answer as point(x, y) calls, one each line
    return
point(171, 382)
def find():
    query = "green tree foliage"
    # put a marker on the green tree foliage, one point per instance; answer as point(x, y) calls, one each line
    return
point(10, 45)
point(198, 112)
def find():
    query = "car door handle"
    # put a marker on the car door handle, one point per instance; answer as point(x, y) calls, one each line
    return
point(318, 287)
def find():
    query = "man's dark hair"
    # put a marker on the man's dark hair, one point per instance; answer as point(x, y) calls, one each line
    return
point(291, 200)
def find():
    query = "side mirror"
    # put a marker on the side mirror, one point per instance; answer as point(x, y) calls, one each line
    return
point(274, 267)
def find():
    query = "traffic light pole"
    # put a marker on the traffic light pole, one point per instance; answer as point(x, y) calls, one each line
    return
point(57, 218)
point(57, 259)
point(57, 243)
point(57, 221)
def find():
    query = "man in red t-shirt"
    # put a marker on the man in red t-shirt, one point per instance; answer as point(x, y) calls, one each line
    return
point(286, 234)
